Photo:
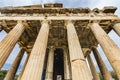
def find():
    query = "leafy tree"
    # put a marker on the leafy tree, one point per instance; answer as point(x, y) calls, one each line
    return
point(3, 74)
point(114, 75)
point(100, 76)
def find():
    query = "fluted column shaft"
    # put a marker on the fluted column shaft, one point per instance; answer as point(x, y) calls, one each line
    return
point(79, 67)
point(103, 69)
point(67, 73)
point(8, 43)
point(93, 69)
point(116, 27)
point(13, 69)
point(34, 67)
point(111, 50)
point(50, 63)
point(23, 68)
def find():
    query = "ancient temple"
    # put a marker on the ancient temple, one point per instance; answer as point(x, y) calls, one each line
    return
point(58, 41)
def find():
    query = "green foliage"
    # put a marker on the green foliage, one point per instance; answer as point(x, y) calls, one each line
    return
point(2, 74)
point(114, 75)
point(16, 77)
point(100, 76)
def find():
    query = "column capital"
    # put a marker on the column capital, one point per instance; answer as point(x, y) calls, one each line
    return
point(86, 51)
point(19, 21)
point(94, 47)
point(51, 47)
point(22, 47)
point(64, 47)
point(96, 21)
point(44, 21)
point(116, 23)
point(68, 22)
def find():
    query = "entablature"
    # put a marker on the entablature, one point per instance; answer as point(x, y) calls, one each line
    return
point(57, 17)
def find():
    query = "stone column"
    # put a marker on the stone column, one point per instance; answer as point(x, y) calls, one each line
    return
point(50, 63)
point(8, 43)
point(103, 69)
point(13, 69)
point(34, 67)
point(116, 27)
point(23, 68)
point(111, 50)
point(79, 67)
point(67, 72)
point(93, 69)
point(1, 27)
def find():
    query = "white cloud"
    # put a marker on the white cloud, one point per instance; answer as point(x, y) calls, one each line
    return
point(48, 1)
point(16, 2)
point(102, 3)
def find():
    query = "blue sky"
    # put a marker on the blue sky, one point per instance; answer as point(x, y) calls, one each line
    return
point(67, 3)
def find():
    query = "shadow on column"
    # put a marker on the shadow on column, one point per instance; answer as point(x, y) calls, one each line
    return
point(58, 73)
point(45, 64)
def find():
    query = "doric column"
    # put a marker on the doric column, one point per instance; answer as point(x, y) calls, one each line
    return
point(93, 69)
point(0, 27)
point(8, 43)
point(67, 72)
point(116, 27)
point(79, 67)
point(111, 50)
point(23, 68)
point(50, 63)
point(13, 69)
point(103, 69)
point(34, 67)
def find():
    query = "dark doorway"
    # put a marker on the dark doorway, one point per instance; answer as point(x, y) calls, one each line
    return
point(58, 65)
